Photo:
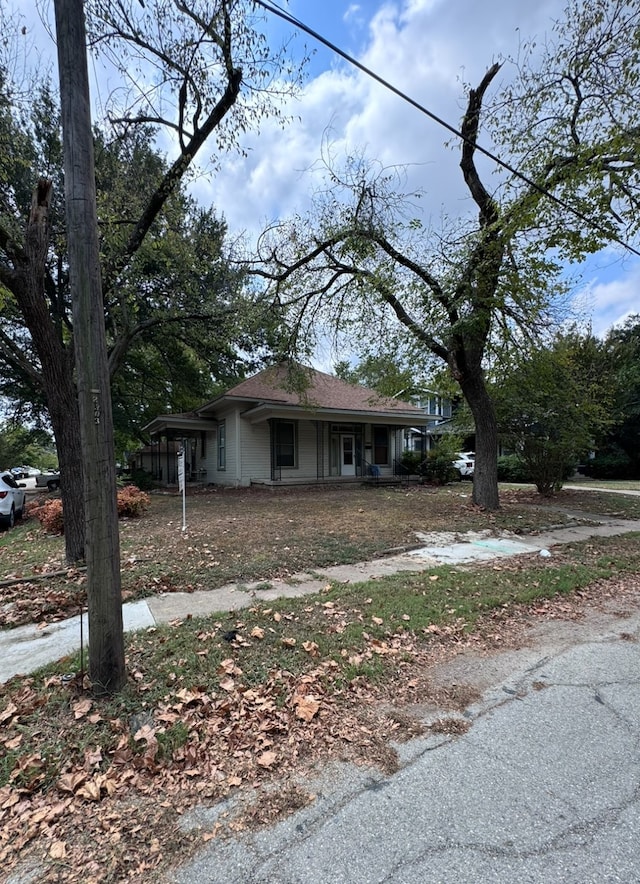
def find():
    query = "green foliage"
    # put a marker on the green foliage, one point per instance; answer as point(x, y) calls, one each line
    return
point(437, 468)
point(571, 124)
point(550, 407)
point(142, 479)
point(621, 362)
point(382, 374)
point(411, 462)
point(611, 463)
point(21, 445)
point(511, 468)
point(179, 319)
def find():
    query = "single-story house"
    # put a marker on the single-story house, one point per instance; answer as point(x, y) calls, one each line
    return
point(288, 424)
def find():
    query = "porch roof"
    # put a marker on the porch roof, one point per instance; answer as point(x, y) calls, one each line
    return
point(173, 423)
point(263, 411)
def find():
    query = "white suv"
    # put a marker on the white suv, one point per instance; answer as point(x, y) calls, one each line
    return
point(12, 498)
point(465, 464)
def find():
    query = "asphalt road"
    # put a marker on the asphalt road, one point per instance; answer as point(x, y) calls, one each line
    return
point(543, 787)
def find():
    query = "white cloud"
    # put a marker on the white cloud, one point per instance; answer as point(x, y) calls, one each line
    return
point(610, 302)
point(425, 48)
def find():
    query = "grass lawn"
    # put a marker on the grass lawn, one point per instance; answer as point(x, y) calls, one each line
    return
point(242, 706)
point(253, 535)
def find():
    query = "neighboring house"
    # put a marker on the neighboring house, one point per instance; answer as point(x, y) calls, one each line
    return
point(271, 429)
point(437, 411)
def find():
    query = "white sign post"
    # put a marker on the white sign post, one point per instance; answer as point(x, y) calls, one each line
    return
point(182, 486)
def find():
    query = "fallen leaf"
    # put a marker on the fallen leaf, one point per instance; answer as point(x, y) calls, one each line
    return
point(257, 632)
point(267, 759)
point(58, 850)
point(306, 707)
point(8, 713)
point(288, 642)
point(93, 756)
point(81, 708)
point(90, 791)
point(69, 782)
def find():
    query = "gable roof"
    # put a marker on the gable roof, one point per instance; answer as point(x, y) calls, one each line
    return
point(299, 387)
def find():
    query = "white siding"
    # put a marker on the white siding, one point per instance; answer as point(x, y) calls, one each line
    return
point(256, 458)
point(209, 462)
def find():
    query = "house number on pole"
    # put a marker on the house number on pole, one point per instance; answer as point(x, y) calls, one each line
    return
point(96, 405)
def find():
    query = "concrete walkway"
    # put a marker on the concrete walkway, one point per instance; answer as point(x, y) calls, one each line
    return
point(26, 648)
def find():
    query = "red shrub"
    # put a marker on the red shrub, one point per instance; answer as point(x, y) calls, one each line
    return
point(132, 501)
point(49, 515)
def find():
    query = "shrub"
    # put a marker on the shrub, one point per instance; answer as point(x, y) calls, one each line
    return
point(142, 479)
point(411, 461)
point(132, 502)
point(613, 463)
point(512, 469)
point(49, 514)
point(438, 468)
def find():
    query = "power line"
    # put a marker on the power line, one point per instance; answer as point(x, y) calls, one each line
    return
point(591, 222)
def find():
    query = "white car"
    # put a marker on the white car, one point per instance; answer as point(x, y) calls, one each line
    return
point(12, 499)
point(465, 464)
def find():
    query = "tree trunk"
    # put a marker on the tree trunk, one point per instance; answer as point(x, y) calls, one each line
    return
point(65, 421)
point(106, 638)
point(485, 483)
point(56, 368)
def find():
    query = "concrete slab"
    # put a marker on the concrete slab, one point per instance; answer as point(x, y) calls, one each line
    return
point(26, 648)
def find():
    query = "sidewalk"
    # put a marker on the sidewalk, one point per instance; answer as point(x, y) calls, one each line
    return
point(26, 648)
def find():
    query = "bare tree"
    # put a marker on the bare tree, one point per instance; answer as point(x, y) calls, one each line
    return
point(360, 258)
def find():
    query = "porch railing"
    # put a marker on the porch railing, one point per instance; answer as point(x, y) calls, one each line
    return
point(401, 472)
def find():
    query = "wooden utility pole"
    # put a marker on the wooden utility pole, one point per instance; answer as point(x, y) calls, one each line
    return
point(106, 639)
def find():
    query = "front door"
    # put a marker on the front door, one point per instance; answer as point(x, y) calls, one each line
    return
point(348, 448)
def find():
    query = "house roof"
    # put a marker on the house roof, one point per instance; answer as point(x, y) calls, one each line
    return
point(293, 391)
point(305, 388)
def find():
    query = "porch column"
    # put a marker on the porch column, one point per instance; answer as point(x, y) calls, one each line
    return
point(320, 425)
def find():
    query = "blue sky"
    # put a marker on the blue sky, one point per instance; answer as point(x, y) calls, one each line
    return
point(425, 48)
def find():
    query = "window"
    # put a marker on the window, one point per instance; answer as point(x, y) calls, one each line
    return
point(284, 444)
point(381, 445)
point(222, 446)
